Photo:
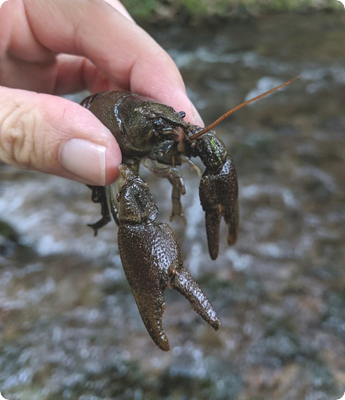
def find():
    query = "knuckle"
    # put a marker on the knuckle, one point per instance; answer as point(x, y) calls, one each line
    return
point(19, 127)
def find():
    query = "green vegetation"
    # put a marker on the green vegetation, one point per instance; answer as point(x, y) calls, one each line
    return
point(202, 9)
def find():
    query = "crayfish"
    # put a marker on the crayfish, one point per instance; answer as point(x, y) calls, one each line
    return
point(148, 133)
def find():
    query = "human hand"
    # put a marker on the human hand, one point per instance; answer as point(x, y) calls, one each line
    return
point(56, 47)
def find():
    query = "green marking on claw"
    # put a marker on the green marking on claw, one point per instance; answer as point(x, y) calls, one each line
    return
point(215, 149)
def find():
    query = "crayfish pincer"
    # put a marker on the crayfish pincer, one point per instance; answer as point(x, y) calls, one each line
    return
point(151, 258)
point(149, 133)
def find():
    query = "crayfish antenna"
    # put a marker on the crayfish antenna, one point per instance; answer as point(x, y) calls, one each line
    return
point(185, 284)
point(221, 118)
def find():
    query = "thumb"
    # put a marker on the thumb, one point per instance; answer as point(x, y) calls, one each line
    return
point(56, 136)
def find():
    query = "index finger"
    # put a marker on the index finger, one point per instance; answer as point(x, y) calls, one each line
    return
point(117, 46)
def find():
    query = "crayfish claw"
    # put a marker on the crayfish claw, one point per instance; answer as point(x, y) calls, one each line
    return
point(213, 219)
point(219, 198)
point(151, 258)
point(232, 222)
point(142, 263)
point(185, 284)
point(154, 325)
point(218, 188)
point(149, 297)
point(147, 268)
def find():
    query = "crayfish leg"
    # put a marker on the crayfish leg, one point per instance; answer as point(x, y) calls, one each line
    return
point(99, 196)
point(176, 204)
point(177, 183)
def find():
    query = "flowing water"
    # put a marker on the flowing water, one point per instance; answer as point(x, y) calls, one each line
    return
point(69, 326)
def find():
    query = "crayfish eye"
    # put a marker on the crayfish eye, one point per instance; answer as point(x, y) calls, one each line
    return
point(161, 127)
point(182, 114)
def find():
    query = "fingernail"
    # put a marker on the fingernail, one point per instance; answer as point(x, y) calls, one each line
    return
point(84, 159)
point(196, 117)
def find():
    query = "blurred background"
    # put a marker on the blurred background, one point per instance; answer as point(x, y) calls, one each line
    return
point(69, 326)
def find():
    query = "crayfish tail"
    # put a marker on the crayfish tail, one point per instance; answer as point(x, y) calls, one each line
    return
point(185, 284)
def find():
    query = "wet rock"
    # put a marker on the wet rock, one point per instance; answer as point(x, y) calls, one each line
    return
point(9, 239)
